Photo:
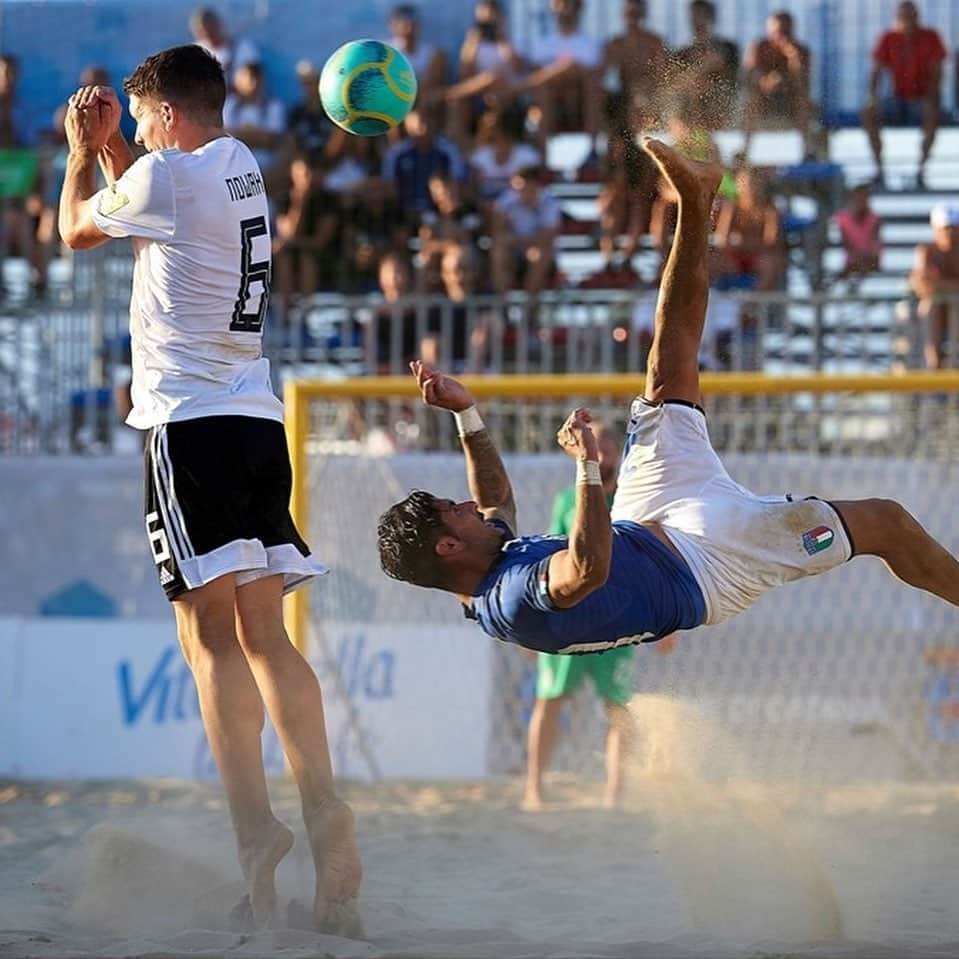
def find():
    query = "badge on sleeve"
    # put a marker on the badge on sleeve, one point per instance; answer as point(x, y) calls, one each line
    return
point(111, 200)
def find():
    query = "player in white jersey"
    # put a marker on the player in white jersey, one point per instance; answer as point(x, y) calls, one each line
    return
point(218, 471)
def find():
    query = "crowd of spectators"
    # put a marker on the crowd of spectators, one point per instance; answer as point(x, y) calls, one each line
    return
point(458, 200)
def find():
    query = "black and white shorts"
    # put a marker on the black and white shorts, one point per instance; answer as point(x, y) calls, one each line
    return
point(217, 502)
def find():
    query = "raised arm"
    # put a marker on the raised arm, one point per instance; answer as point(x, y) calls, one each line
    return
point(489, 485)
point(88, 125)
point(583, 567)
point(115, 156)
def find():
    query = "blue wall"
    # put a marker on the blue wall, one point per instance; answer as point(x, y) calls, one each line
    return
point(55, 41)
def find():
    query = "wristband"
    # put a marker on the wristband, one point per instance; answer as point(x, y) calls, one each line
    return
point(469, 421)
point(587, 473)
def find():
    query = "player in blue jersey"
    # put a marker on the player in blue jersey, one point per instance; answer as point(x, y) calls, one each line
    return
point(683, 546)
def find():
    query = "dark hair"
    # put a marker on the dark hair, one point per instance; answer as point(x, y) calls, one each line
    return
point(187, 76)
point(705, 6)
point(406, 535)
point(404, 11)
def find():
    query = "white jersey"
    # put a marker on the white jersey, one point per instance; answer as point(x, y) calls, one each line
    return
point(201, 240)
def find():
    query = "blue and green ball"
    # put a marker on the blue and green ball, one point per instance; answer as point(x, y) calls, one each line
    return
point(367, 87)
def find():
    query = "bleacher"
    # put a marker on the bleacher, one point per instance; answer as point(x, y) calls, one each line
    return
point(904, 209)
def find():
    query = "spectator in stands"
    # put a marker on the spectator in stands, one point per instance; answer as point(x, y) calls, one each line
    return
point(526, 223)
point(393, 340)
point(307, 228)
point(859, 227)
point(706, 73)
point(914, 55)
point(210, 33)
point(371, 218)
point(428, 61)
point(308, 127)
point(489, 70)
point(20, 214)
point(257, 119)
point(454, 222)
point(566, 80)
point(500, 153)
point(749, 236)
point(936, 275)
point(634, 64)
point(777, 80)
point(457, 331)
point(625, 206)
point(409, 164)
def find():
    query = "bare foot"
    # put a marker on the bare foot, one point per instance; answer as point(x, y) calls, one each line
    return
point(259, 864)
point(336, 858)
point(691, 179)
point(532, 802)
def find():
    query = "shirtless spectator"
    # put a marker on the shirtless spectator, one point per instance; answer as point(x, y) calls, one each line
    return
point(706, 73)
point(500, 153)
point(777, 80)
point(526, 223)
point(565, 83)
point(936, 274)
point(749, 235)
point(489, 71)
point(257, 119)
point(914, 55)
point(210, 33)
point(635, 61)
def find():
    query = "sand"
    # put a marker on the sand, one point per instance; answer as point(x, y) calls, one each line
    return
point(705, 858)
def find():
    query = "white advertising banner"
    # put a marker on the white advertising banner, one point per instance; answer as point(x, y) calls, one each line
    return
point(109, 698)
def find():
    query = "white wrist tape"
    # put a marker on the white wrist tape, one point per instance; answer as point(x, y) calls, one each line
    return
point(469, 421)
point(587, 473)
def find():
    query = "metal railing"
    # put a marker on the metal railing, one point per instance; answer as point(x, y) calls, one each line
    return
point(62, 365)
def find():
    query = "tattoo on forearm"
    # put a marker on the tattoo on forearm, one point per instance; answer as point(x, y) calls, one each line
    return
point(488, 481)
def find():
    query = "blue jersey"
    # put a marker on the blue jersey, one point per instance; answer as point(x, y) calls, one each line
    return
point(650, 593)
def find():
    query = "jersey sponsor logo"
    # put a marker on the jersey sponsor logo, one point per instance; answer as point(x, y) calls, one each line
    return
point(111, 200)
point(816, 540)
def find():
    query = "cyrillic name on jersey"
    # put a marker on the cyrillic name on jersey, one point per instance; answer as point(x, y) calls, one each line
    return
point(247, 185)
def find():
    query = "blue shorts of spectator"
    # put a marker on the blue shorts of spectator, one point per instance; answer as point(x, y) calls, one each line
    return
point(897, 112)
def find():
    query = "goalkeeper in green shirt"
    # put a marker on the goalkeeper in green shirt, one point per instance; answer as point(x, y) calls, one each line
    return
point(558, 676)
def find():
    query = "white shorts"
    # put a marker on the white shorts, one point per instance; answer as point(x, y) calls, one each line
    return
point(738, 545)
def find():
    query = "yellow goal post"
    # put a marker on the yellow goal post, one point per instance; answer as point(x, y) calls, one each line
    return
point(300, 395)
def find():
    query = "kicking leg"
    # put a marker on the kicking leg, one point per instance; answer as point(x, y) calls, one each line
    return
point(673, 367)
point(294, 701)
point(233, 718)
point(883, 528)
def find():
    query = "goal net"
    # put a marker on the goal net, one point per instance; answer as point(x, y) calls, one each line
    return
point(852, 675)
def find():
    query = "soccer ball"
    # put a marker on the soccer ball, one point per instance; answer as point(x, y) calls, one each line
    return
point(367, 87)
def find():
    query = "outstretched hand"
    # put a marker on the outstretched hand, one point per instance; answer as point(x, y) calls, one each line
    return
point(576, 436)
point(440, 390)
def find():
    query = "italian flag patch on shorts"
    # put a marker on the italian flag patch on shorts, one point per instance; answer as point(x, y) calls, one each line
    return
point(816, 540)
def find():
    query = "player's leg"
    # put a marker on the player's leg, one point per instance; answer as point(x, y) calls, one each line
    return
point(232, 714)
point(883, 528)
point(291, 693)
point(619, 746)
point(673, 366)
point(556, 678)
point(542, 735)
point(612, 674)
